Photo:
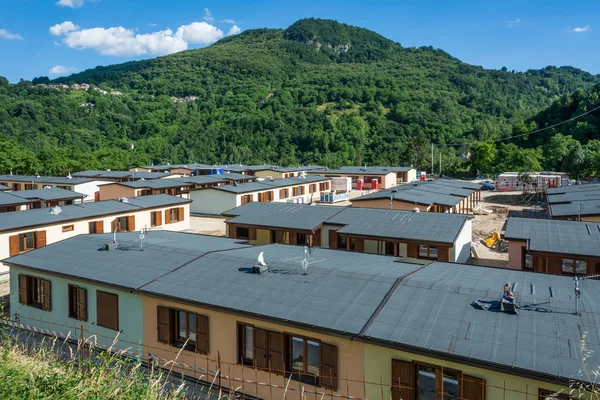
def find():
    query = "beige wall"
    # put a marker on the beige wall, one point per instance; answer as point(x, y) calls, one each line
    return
point(385, 204)
point(223, 343)
point(112, 191)
point(54, 232)
point(515, 255)
point(378, 368)
point(595, 218)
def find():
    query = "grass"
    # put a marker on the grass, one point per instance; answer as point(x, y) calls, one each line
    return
point(38, 373)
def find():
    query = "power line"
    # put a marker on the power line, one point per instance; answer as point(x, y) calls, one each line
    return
point(533, 132)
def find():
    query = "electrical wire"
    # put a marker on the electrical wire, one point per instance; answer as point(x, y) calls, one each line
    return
point(532, 132)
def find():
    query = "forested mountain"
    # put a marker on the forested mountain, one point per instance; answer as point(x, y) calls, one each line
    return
point(319, 92)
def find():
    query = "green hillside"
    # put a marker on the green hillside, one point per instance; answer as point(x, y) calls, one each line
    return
point(319, 92)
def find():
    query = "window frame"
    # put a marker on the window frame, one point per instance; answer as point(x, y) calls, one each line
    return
point(243, 229)
point(120, 224)
point(92, 227)
point(246, 198)
point(302, 376)
point(543, 394)
point(187, 343)
point(23, 242)
point(575, 262)
point(428, 252)
point(73, 311)
point(439, 375)
point(117, 310)
point(154, 219)
point(68, 228)
point(242, 359)
point(173, 215)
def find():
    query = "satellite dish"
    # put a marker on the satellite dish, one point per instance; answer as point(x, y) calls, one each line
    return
point(55, 210)
point(123, 199)
point(142, 237)
point(305, 261)
point(261, 259)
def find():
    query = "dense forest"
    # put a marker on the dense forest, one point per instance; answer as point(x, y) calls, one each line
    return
point(319, 92)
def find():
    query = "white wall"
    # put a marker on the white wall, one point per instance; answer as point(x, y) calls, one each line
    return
point(88, 188)
point(55, 234)
point(461, 251)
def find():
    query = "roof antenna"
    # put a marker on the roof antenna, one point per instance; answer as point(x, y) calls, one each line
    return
point(305, 261)
point(69, 175)
point(142, 237)
point(115, 234)
point(578, 291)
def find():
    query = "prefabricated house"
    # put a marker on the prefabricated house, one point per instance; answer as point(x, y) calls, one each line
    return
point(216, 200)
point(172, 187)
point(386, 177)
point(86, 186)
point(535, 181)
point(124, 176)
point(553, 246)
point(9, 202)
point(441, 195)
point(574, 203)
point(51, 197)
point(328, 324)
point(24, 231)
point(418, 237)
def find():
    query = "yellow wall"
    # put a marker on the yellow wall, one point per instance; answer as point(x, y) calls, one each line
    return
point(263, 236)
point(385, 204)
point(595, 218)
point(113, 191)
point(378, 368)
point(223, 342)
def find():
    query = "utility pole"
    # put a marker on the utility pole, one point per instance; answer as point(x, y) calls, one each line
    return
point(432, 158)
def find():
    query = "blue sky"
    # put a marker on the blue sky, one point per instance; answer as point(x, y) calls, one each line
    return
point(520, 34)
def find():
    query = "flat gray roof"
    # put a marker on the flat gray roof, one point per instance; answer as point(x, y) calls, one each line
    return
point(577, 196)
point(153, 183)
point(121, 174)
point(430, 313)
point(268, 185)
point(9, 199)
point(575, 208)
point(574, 188)
point(282, 215)
point(42, 216)
point(4, 187)
point(444, 192)
point(340, 292)
point(48, 194)
point(369, 170)
point(126, 266)
point(394, 224)
point(556, 236)
point(55, 180)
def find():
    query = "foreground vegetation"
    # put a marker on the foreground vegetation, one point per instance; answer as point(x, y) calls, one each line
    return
point(318, 92)
point(38, 373)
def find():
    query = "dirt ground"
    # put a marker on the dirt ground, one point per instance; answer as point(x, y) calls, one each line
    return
point(207, 225)
point(4, 285)
point(502, 206)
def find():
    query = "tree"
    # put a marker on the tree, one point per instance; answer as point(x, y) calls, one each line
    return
point(557, 149)
point(483, 158)
point(574, 163)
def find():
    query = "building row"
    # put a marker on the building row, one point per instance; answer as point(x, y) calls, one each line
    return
point(332, 322)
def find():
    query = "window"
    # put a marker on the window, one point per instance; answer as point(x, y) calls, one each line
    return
point(35, 291)
point(155, 218)
point(92, 227)
point(301, 238)
point(96, 227)
point(246, 198)
point(26, 241)
point(389, 248)
point(173, 215)
point(183, 329)
point(342, 242)
point(246, 344)
point(427, 251)
point(570, 266)
point(77, 303)
point(312, 188)
point(323, 186)
point(242, 233)
point(68, 228)
point(352, 244)
point(545, 394)
point(430, 378)
point(107, 307)
point(528, 261)
point(283, 193)
point(304, 359)
point(121, 223)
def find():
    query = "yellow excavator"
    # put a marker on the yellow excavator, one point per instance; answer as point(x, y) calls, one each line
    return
point(492, 240)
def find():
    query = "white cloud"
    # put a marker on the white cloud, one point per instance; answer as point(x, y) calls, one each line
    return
point(4, 34)
point(65, 27)
point(56, 43)
point(61, 70)
point(581, 29)
point(229, 21)
point(207, 15)
point(234, 30)
point(70, 3)
point(199, 33)
point(511, 24)
point(153, 25)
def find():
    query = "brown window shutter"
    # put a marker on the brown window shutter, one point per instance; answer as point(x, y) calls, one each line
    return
point(167, 217)
point(333, 239)
point(293, 238)
point(316, 239)
point(46, 301)
point(107, 308)
point(403, 380)
point(158, 218)
point(40, 239)
point(278, 236)
point(131, 223)
point(164, 324)
point(443, 254)
point(82, 304)
point(554, 266)
point(472, 388)
point(412, 250)
point(233, 231)
point(202, 334)
point(260, 348)
point(14, 245)
point(359, 245)
point(99, 226)
point(252, 233)
point(328, 367)
point(23, 295)
point(276, 352)
point(180, 214)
